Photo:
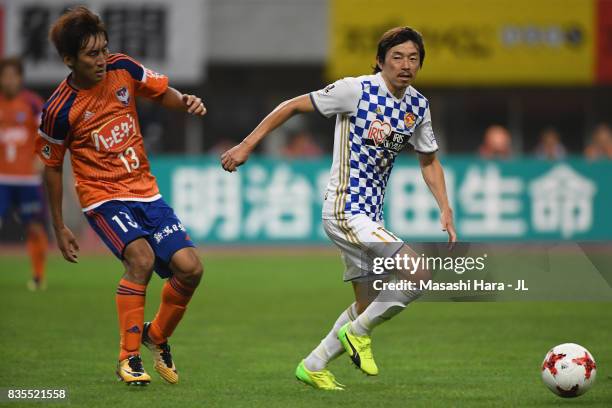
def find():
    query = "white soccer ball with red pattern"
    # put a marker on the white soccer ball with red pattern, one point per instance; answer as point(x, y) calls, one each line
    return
point(569, 370)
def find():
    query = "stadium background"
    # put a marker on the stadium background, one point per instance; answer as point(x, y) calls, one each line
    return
point(527, 71)
point(524, 65)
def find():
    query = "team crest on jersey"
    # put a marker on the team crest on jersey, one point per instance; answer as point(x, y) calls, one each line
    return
point(46, 151)
point(123, 95)
point(379, 131)
point(409, 120)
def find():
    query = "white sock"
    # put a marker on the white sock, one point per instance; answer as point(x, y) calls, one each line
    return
point(386, 305)
point(330, 347)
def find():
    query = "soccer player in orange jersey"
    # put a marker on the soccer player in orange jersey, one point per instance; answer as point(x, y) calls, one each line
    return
point(93, 114)
point(20, 181)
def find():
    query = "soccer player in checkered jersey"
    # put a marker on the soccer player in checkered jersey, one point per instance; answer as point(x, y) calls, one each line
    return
point(92, 113)
point(376, 117)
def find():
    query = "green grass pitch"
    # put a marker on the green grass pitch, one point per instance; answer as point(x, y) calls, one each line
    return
point(257, 315)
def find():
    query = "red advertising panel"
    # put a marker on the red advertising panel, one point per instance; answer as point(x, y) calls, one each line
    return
point(1, 30)
point(603, 54)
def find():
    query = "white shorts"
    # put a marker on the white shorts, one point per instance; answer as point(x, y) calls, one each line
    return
point(360, 240)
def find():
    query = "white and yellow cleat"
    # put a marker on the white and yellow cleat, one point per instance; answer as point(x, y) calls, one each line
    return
point(321, 380)
point(164, 365)
point(131, 371)
point(359, 349)
point(34, 285)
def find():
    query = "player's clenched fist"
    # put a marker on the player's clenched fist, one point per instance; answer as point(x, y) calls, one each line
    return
point(194, 105)
point(235, 157)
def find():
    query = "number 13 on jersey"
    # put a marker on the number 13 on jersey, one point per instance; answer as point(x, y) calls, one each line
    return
point(129, 159)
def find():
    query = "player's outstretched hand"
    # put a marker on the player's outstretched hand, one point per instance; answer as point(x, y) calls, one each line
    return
point(235, 157)
point(67, 244)
point(446, 219)
point(194, 105)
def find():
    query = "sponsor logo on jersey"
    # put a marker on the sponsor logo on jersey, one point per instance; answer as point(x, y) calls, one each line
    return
point(14, 135)
point(409, 120)
point(114, 135)
point(396, 142)
point(123, 95)
point(379, 131)
point(328, 88)
point(46, 151)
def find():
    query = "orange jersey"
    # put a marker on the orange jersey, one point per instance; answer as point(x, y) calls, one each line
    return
point(100, 128)
point(19, 118)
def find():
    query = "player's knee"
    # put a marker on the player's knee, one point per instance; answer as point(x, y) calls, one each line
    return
point(361, 305)
point(194, 274)
point(141, 264)
point(190, 270)
point(422, 275)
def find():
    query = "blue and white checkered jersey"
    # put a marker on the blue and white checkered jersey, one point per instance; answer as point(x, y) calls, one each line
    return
point(372, 127)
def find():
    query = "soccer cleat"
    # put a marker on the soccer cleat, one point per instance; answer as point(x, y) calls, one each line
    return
point(34, 285)
point(321, 380)
point(131, 371)
point(359, 348)
point(161, 356)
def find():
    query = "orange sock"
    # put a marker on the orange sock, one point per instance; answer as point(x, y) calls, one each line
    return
point(130, 300)
point(175, 296)
point(37, 244)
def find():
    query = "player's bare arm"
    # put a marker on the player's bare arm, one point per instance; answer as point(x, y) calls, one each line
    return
point(239, 154)
point(174, 99)
point(66, 241)
point(433, 174)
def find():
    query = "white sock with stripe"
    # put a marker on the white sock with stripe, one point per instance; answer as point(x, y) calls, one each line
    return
point(386, 305)
point(330, 347)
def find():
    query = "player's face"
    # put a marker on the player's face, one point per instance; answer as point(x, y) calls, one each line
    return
point(401, 64)
point(89, 67)
point(10, 81)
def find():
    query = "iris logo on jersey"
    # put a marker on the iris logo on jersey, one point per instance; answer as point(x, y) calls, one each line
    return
point(114, 134)
point(123, 95)
point(396, 142)
point(409, 120)
point(379, 131)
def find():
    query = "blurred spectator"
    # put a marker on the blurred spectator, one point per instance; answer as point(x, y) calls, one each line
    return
point(550, 146)
point(302, 144)
point(600, 146)
point(496, 144)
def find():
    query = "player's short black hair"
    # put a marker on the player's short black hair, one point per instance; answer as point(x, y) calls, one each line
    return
point(72, 30)
point(14, 62)
point(395, 36)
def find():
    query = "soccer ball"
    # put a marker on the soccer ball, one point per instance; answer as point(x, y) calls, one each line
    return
point(569, 370)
